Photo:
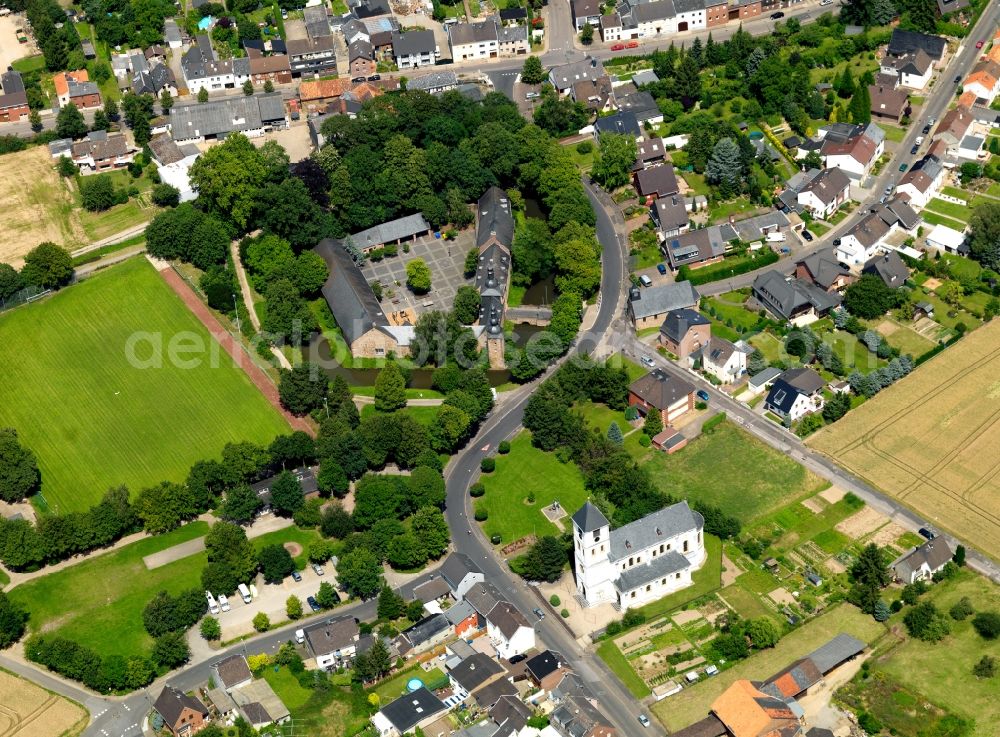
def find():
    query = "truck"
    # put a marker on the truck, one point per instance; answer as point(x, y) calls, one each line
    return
point(213, 605)
point(244, 593)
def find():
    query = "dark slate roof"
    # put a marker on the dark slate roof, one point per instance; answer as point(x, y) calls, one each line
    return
point(413, 43)
point(698, 245)
point(333, 635)
point(819, 731)
point(170, 704)
point(804, 379)
point(647, 531)
point(459, 612)
point(662, 565)
point(255, 713)
point(404, 227)
point(659, 180)
point(782, 396)
point(623, 122)
point(664, 298)
point(407, 711)
point(11, 82)
point(889, 267)
point(233, 670)
point(784, 297)
point(456, 567)
point(426, 629)
point(827, 185)
point(350, 297)
point(483, 597)
point(431, 590)
point(677, 323)
point(543, 664)
point(710, 726)
point(589, 518)
point(496, 697)
point(841, 648)
point(660, 389)
point(475, 670)
point(513, 13)
point(904, 42)
point(495, 221)
point(216, 117)
point(507, 618)
point(824, 268)
point(935, 553)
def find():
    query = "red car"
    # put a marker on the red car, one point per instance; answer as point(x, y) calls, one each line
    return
point(632, 45)
point(618, 47)
point(980, 44)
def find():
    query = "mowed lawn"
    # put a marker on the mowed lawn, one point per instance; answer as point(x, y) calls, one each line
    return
point(95, 420)
point(523, 471)
point(731, 469)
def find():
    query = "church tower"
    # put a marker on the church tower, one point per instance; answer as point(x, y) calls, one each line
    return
point(591, 547)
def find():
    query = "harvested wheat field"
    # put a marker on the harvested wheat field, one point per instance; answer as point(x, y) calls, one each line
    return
point(931, 440)
point(37, 205)
point(29, 711)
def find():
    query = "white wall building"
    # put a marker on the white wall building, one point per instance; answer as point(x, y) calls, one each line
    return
point(640, 562)
point(509, 631)
point(173, 163)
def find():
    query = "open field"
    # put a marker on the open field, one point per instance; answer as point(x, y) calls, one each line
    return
point(26, 710)
point(527, 470)
point(930, 439)
point(99, 419)
point(693, 703)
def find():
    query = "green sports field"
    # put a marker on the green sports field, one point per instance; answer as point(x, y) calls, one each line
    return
point(93, 418)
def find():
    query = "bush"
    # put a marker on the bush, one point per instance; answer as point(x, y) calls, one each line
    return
point(504, 447)
point(644, 441)
point(481, 514)
point(712, 422)
point(487, 465)
point(564, 614)
point(961, 609)
point(477, 490)
point(165, 196)
point(210, 628)
point(584, 147)
point(555, 600)
point(261, 622)
point(985, 668)
point(987, 624)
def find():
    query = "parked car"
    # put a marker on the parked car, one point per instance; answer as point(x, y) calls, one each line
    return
point(836, 241)
point(926, 129)
point(313, 604)
point(647, 361)
point(662, 269)
point(517, 658)
point(958, 78)
point(375, 78)
point(825, 3)
point(632, 45)
point(296, 576)
point(618, 47)
point(927, 533)
point(532, 95)
point(914, 149)
point(357, 80)
point(807, 235)
point(317, 569)
point(702, 395)
point(224, 603)
point(980, 44)
point(645, 281)
point(643, 719)
point(902, 167)
point(775, 16)
point(920, 139)
point(538, 613)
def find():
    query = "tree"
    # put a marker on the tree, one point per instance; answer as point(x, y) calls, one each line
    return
point(762, 632)
point(869, 297)
point(97, 193)
point(289, 210)
point(261, 622)
point(870, 575)
point(70, 122)
point(210, 628)
point(47, 266)
point(559, 116)
point(275, 563)
point(360, 573)
point(725, 167)
point(287, 316)
point(170, 650)
point(228, 543)
point(987, 624)
point(286, 494)
point(466, 307)
point(418, 276)
point(302, 388)
point(166, 101)
point(587, 35)
point(653, 424)
point(860, 108)
point(248, 88)
point(326, 596)
point(881, 612)
point(615, 434)
point(228, 178)
point(19, 476)
point(241, 504)
point(268, 86)
point(101, 122)
point(10, 281)
point(449, 429)
point(926, 623)
point(613, 164)
point(390, 604)
point(959, 557)
point(13, 619)
point(545, 560)
point(533, 72)
point(390, 388)
point(985, 668)
point(687, 82)
point(430, 528)
point(202, 95)
point(426, 488)
point(984, 235)
point(166, 195)
point(36, 121)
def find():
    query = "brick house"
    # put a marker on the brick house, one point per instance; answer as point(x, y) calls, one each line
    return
point(545, 670)
point(684, 332)
point(182, 714)
point(716, 13)
point(14, 100)
point(270, 69)
point(76, 87)
point(661, 392)
point(362, 58)
point(743, 9)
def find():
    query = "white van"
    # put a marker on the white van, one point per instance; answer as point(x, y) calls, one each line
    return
point(300, 636)
point(213, 605)
point(244, 593)
point(224, 603)
point(776, 237)
point(645, 281)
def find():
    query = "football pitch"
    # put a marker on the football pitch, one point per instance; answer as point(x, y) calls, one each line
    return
point(94, 415)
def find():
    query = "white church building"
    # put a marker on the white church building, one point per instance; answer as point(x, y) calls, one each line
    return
point(640, 562)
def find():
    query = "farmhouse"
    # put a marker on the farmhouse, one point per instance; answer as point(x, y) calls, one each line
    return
point(922, 562)
point(661, 392)
point(182, 715)
point(639, 562)
point(648, 307)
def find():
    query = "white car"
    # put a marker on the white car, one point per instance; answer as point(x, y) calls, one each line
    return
point(224, 603)
point(824, 3)
point(643, 720)
point(648, 361)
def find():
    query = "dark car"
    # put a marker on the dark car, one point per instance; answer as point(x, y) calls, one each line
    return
point(775, 16)
point(702, 395)
point(517, 658)
point(927, 533)
point(902, 167)
point(358, 80)
point(661, 268)
point(914, 149)
point(836, 241)
point(807, 235)
point(958, 79)
point(313, 604)
point(926, 129)
point(296, 576)
point(375, 78)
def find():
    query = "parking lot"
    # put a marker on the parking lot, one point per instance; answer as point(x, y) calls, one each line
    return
point(446, 260)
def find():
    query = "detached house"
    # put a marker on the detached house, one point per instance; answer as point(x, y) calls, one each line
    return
point(585, 12)
point(182, 715)
point(656, 181)
point(509, 631)
point(888, 267)
point(921, 563)
point(825, 192)
point(231, 673)
point(903, 43)
point(648, 307)
point(564, 76)
point(333, 643)
point(868, 236)
point(14, 100)
point(923, 181)
point(912, 70)
point(724, 360)
point(984, 81)
point(852, 148)
point(101, 152)
point(888, 103)
point(408, 713)
point(953, 128)
point(661, 392)
point(791, 403)
point(793, 300)
point(823, 270)
point(684, 332)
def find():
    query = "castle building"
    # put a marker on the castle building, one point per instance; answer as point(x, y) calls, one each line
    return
point(640, 562)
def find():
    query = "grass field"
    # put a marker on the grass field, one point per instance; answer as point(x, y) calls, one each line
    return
point(949, 209)
point(693, 703)
point(905, 339)
point(523, 471)
point(97, 420)
point(27, 709)
point(930, 439)
point(718, 469)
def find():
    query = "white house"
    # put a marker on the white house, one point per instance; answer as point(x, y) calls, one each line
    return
point(945, 239)
point(690, 15)
point(461, 574)
point(854, 149)
point(922, 182)
point(970, 147)
point(509, 631)
point(868, 237)
point(724, 360)
point(984, 80)
point(825, 192)
point(921, 563)
point(173, 163)
point(415, 48)
point(787, 401)
point(640, 562)
point(333, 643)
point(474, 40)
point(912, 70)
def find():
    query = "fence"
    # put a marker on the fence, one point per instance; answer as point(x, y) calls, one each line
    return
point(26, 295)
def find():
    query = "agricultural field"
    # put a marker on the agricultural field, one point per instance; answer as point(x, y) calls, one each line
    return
point(98, 419)
point(27, 710)
point(929, 440)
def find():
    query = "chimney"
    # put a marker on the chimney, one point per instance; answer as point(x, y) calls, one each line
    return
point(658, 533)
point(634, 294)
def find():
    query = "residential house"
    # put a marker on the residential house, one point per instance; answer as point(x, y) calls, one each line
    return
point(564, 76)
point(76, 87)
point(648, 307)
point(101, 152)
point(648, 19)
point(408, 713)
point(912, 70)
point(426, 634)
point(724, 360)
point(578, 715)
point(696, 248)
point(361, 58)
point(946, 240)
point(747, 711)
point(852, 148)
point(649, 152)
point(501, 699)
point(611, 27)
point(366, 328)
point(251, 115)
point(172, 34)
point(483, 596)
point(888, 103)
point(515, 16)
point(473, 673)
point(793, 300)
point(597, 95)
point(868, 236)
point(275, 68)
point(638, 562)
point(463, 619)
point(922, 182)
point(953, 127)
point(202, 68)
point(971, 148)
point(461, 573)
point(14, 100)
point(314, 55)
point(823, 270)
point(546, 669)
point(717, 13)
point(513, 40)
point(789, 403)
point(825, 192)
point(903, 43)
point(983, 81)
point(888, 267)
point(157, 78)
point(155, 53)
point(435, 83)
point(661, 392)
point(509, 631)
point(478, 40)
point(623, 123)
point(585, 12)
point(946, 7)
point(231, 673)
point(431, 592)
point(182, 715)
point(643, 106)
point(921, 562)
point(333, 643)
point(316, 20)
point(259, 704)
point(366, 9)
point(656, 181)
point(684, 332)
point(415, 48)
point(354, 30)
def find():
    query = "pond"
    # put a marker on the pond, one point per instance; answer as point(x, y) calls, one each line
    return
point(540, 293)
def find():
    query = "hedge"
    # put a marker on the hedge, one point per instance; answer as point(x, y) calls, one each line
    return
point(725, 269)
point(712, 422)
